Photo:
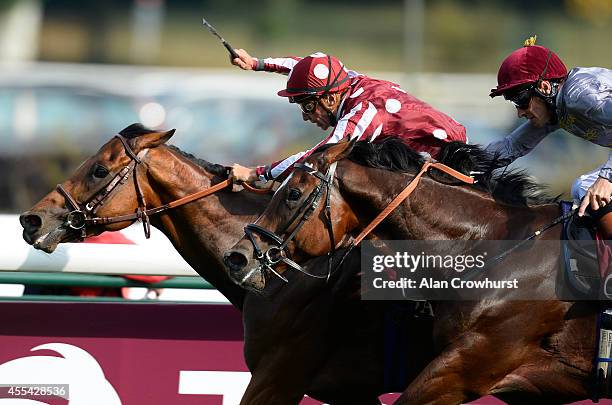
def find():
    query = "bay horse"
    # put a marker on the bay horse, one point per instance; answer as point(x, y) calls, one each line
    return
point(519, 351)
point(302, 340)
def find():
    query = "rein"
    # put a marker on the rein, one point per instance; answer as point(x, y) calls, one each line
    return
point(82, 215)
point(406, 192)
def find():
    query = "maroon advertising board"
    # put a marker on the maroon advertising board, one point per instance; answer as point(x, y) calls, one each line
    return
point(126, 353)
point(123, 353)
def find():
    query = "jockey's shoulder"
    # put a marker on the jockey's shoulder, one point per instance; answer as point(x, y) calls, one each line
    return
point(579, 79)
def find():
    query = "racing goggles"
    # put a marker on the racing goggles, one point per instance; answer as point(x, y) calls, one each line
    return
point(522, 99)
point(307, 104)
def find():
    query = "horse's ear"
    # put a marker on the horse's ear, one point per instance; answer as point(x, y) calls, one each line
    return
point(340, 150)
point(151, 140)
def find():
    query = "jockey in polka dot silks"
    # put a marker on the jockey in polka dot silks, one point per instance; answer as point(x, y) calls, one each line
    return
point(536, 81)
point(355, 105)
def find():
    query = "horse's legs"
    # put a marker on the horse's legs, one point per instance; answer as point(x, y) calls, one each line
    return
point(467, 370)
point(464, 371)
point(440, 382)
point(522, 398)
point(543, 380)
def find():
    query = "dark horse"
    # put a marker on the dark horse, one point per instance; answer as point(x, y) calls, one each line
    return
point(519, 351)
point(303, 340)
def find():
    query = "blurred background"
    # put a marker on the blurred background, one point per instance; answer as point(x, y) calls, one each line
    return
point(72, 74)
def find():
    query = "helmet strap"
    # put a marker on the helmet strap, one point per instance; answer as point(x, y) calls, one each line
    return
point(333, 121)
point(543, 74)
point(550, 99)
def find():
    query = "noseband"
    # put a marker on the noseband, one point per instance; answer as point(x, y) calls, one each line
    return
point(279, 253)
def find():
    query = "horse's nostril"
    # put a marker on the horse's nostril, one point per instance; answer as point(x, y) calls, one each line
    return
point(235, 260)
point(30, 222)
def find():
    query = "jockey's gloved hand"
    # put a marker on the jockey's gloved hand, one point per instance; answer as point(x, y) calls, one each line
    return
point(244, 62)
point(240, 173)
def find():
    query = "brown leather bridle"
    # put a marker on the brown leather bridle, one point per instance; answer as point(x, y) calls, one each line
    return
point(84, 214)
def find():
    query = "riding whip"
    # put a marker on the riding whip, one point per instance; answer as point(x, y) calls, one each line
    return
point(223, 41)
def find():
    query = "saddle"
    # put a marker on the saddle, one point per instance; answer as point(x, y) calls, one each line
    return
point(586, 272)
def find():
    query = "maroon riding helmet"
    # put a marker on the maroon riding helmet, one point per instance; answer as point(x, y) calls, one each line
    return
point(528, 64)
point(316, 75)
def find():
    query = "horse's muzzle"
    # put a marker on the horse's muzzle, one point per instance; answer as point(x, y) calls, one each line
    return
point(30, 222)
point(235, 260)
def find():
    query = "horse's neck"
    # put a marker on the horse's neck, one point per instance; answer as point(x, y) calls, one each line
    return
point(201, 230)
point(441, 211)
point(437, 211)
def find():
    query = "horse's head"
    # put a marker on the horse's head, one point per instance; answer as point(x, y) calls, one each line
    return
point(306, 218)
point(104, 186)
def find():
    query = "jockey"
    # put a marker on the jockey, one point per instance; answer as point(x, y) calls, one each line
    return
point(354, 105)
point(536, 81)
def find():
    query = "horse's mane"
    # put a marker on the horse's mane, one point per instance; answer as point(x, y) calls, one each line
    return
point(137, 129)
point(513, 187)
point(214, 168)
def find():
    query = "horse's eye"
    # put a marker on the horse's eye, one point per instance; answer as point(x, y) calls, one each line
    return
point(100, 171)
point(294, 194)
